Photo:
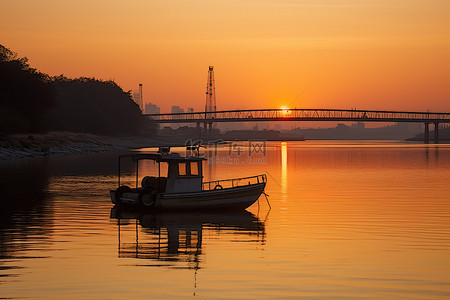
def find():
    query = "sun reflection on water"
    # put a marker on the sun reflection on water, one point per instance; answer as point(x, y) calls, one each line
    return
point(284, 167)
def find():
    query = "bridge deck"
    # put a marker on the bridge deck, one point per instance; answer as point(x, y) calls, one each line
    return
point(301, 115)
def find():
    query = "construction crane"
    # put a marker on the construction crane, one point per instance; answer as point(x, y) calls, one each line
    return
point(210, 106)
point(210, 92)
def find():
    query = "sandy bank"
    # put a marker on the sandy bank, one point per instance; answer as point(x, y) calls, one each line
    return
point(34, 145)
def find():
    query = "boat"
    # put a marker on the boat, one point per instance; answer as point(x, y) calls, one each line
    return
point(183, 187)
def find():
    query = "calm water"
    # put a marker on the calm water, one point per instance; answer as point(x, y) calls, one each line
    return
point(349, 220)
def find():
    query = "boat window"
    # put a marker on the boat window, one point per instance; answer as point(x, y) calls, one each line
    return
point(182, 169)
point(194, 168)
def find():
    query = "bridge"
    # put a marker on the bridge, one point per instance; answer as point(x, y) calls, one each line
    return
point(297, 114)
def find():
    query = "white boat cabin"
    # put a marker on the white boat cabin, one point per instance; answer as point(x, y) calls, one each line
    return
point(184, 174)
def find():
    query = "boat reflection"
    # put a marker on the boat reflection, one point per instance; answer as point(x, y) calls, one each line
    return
point(174, 239)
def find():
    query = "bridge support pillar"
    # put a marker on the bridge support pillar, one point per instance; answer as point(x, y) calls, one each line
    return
point(426, 136)
point(199, 130)
point(436, 133)
point(208, 128)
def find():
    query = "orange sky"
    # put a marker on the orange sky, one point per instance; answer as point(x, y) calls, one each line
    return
point(365, 54)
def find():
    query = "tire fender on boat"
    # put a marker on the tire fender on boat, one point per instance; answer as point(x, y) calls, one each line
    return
point(218, 187)
point(119, 192)
point(147, 191)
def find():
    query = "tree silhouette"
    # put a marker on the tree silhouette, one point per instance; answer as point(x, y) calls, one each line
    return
point(25, 95)
point(95, 106)
point(31, 101)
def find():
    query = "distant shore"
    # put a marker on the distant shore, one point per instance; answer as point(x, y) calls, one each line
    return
point(54, 143)
point(64, 143)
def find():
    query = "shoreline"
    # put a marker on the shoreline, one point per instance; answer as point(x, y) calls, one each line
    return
point(64, 143)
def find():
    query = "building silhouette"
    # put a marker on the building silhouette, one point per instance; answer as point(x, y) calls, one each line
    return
point(177, 110)
point(151, 108)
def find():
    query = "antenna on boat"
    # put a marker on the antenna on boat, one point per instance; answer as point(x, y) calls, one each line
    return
point(194, 149)
point(164, 150)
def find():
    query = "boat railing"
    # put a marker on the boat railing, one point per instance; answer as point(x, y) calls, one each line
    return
point(230, 183)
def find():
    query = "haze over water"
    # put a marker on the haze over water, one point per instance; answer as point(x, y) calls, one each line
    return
point(349, 220)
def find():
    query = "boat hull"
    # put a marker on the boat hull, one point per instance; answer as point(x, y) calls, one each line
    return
point(239, 197)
